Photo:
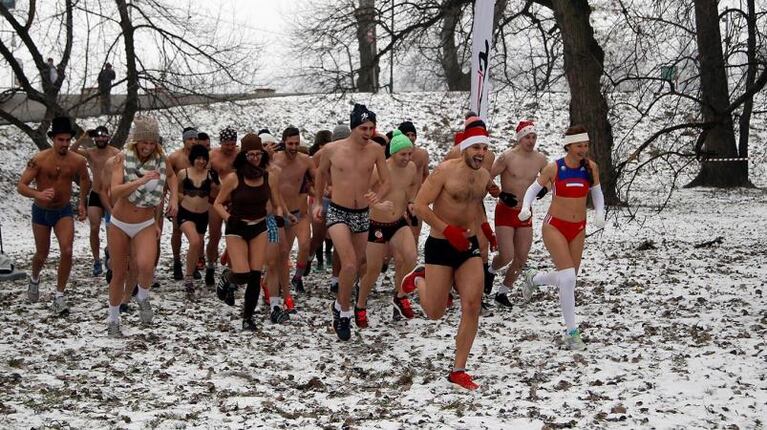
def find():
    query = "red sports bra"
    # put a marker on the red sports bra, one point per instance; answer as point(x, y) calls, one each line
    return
point(572, 183)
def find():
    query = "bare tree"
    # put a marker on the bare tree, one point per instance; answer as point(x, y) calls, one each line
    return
point(179, 56)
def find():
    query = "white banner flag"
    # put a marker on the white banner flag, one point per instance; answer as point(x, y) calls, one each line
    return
point(481, 51)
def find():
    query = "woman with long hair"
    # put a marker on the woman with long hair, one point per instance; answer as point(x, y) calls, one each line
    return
point(138, 182)
point(196, 184)
point(573, 178)
point(248, 191)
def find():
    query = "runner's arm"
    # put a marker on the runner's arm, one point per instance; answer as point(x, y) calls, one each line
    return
point(428, 193)
point(76, 146)
point(227, 185)
point(27, 176)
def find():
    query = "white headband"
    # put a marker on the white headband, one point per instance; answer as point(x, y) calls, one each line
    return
point(580, 137)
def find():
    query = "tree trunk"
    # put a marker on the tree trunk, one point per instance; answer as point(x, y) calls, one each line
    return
point(748, 104)
point(584, 65)
point(367, 81)
point(719, 140)
point(131, 100)
point(456, 78)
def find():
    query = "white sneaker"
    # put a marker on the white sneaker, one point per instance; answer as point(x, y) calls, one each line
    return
point(113, 329)
point(60, 306)
point(33, 291)
point(573, 340)
point(528, 286)
point(145, 312)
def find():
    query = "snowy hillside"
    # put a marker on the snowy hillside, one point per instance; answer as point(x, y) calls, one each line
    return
point(675, 325)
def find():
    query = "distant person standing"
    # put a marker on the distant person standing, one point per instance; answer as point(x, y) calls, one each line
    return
point(106, 76)
point(51, 74)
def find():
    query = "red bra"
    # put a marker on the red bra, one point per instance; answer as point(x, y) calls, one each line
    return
point(572, 183)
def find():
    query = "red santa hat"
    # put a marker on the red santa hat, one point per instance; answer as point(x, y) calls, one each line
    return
point(524, 128)
point(473, 133)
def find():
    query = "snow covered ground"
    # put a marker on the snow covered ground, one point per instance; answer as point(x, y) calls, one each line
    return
point(675, 327)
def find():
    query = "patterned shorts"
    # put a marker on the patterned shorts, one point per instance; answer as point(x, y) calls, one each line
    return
point(357, 220)
point(272, 231)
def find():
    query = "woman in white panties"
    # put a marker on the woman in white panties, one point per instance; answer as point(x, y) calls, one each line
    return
point(139, 177)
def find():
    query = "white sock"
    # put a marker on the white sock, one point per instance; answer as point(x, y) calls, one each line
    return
point(35, 280)
point(566, 284)
point(143, 293)
point(58, 294)
point(337, 306)
point(334, 279)
point(275, 301)
point(491, 270)
point(545, 278)
point(347, 314)
point(114, 313)
point(503, 289)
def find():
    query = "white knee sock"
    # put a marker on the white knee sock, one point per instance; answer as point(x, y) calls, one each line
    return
point(566, 284)
point(114, 313)
point(143, 293)
point(545, 278)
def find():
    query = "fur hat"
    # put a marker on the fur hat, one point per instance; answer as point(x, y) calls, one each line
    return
point(145, 128)
point(61, 124)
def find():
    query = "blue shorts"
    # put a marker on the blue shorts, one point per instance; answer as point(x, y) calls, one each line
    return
point(49, 217)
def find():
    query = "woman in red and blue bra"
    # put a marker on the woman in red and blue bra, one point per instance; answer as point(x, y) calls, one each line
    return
point(573, 177)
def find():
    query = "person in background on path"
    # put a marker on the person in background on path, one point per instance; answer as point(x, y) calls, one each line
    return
point(97, 207)
point(53, 171)
point(574, 177)
point(105, 78)
point(519, 167)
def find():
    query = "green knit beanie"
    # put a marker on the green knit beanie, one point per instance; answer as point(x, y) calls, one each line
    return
point(399, 142)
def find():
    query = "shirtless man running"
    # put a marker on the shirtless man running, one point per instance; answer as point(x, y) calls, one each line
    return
point(98, 207)
point(348, 163)
point(179, 160)
point(519, 167)
point(390, 230)
point(295, 166)
point(221, 160)
point(53, 170)
point(455, 190)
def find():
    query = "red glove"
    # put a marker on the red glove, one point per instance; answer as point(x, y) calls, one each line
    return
point(490, 236)
point(457, 238)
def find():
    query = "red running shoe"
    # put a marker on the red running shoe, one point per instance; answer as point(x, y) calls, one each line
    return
point(361, 317)
point(462, 379)
point(408, 282)
point(402, 308)
point(290, 305)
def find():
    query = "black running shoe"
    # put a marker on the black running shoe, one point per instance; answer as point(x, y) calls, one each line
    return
point(503, 300)
point(343, 329)
point(485, 310)
point(210, 276)
point(222, 285)
point(489, 278)
point(196, 274)
point(336, 315)
point(249, 325)
point(124, 308)
point(298, 284)
point(308, 268)
point(279, 316)
point(178, 274)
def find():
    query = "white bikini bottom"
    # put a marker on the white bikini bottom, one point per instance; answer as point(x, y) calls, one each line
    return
point(131, 230)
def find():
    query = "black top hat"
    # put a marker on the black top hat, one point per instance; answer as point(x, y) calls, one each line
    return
point(99, 131)
point(61, 124)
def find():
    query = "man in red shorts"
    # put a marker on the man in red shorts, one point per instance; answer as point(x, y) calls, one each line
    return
point(519, 167)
